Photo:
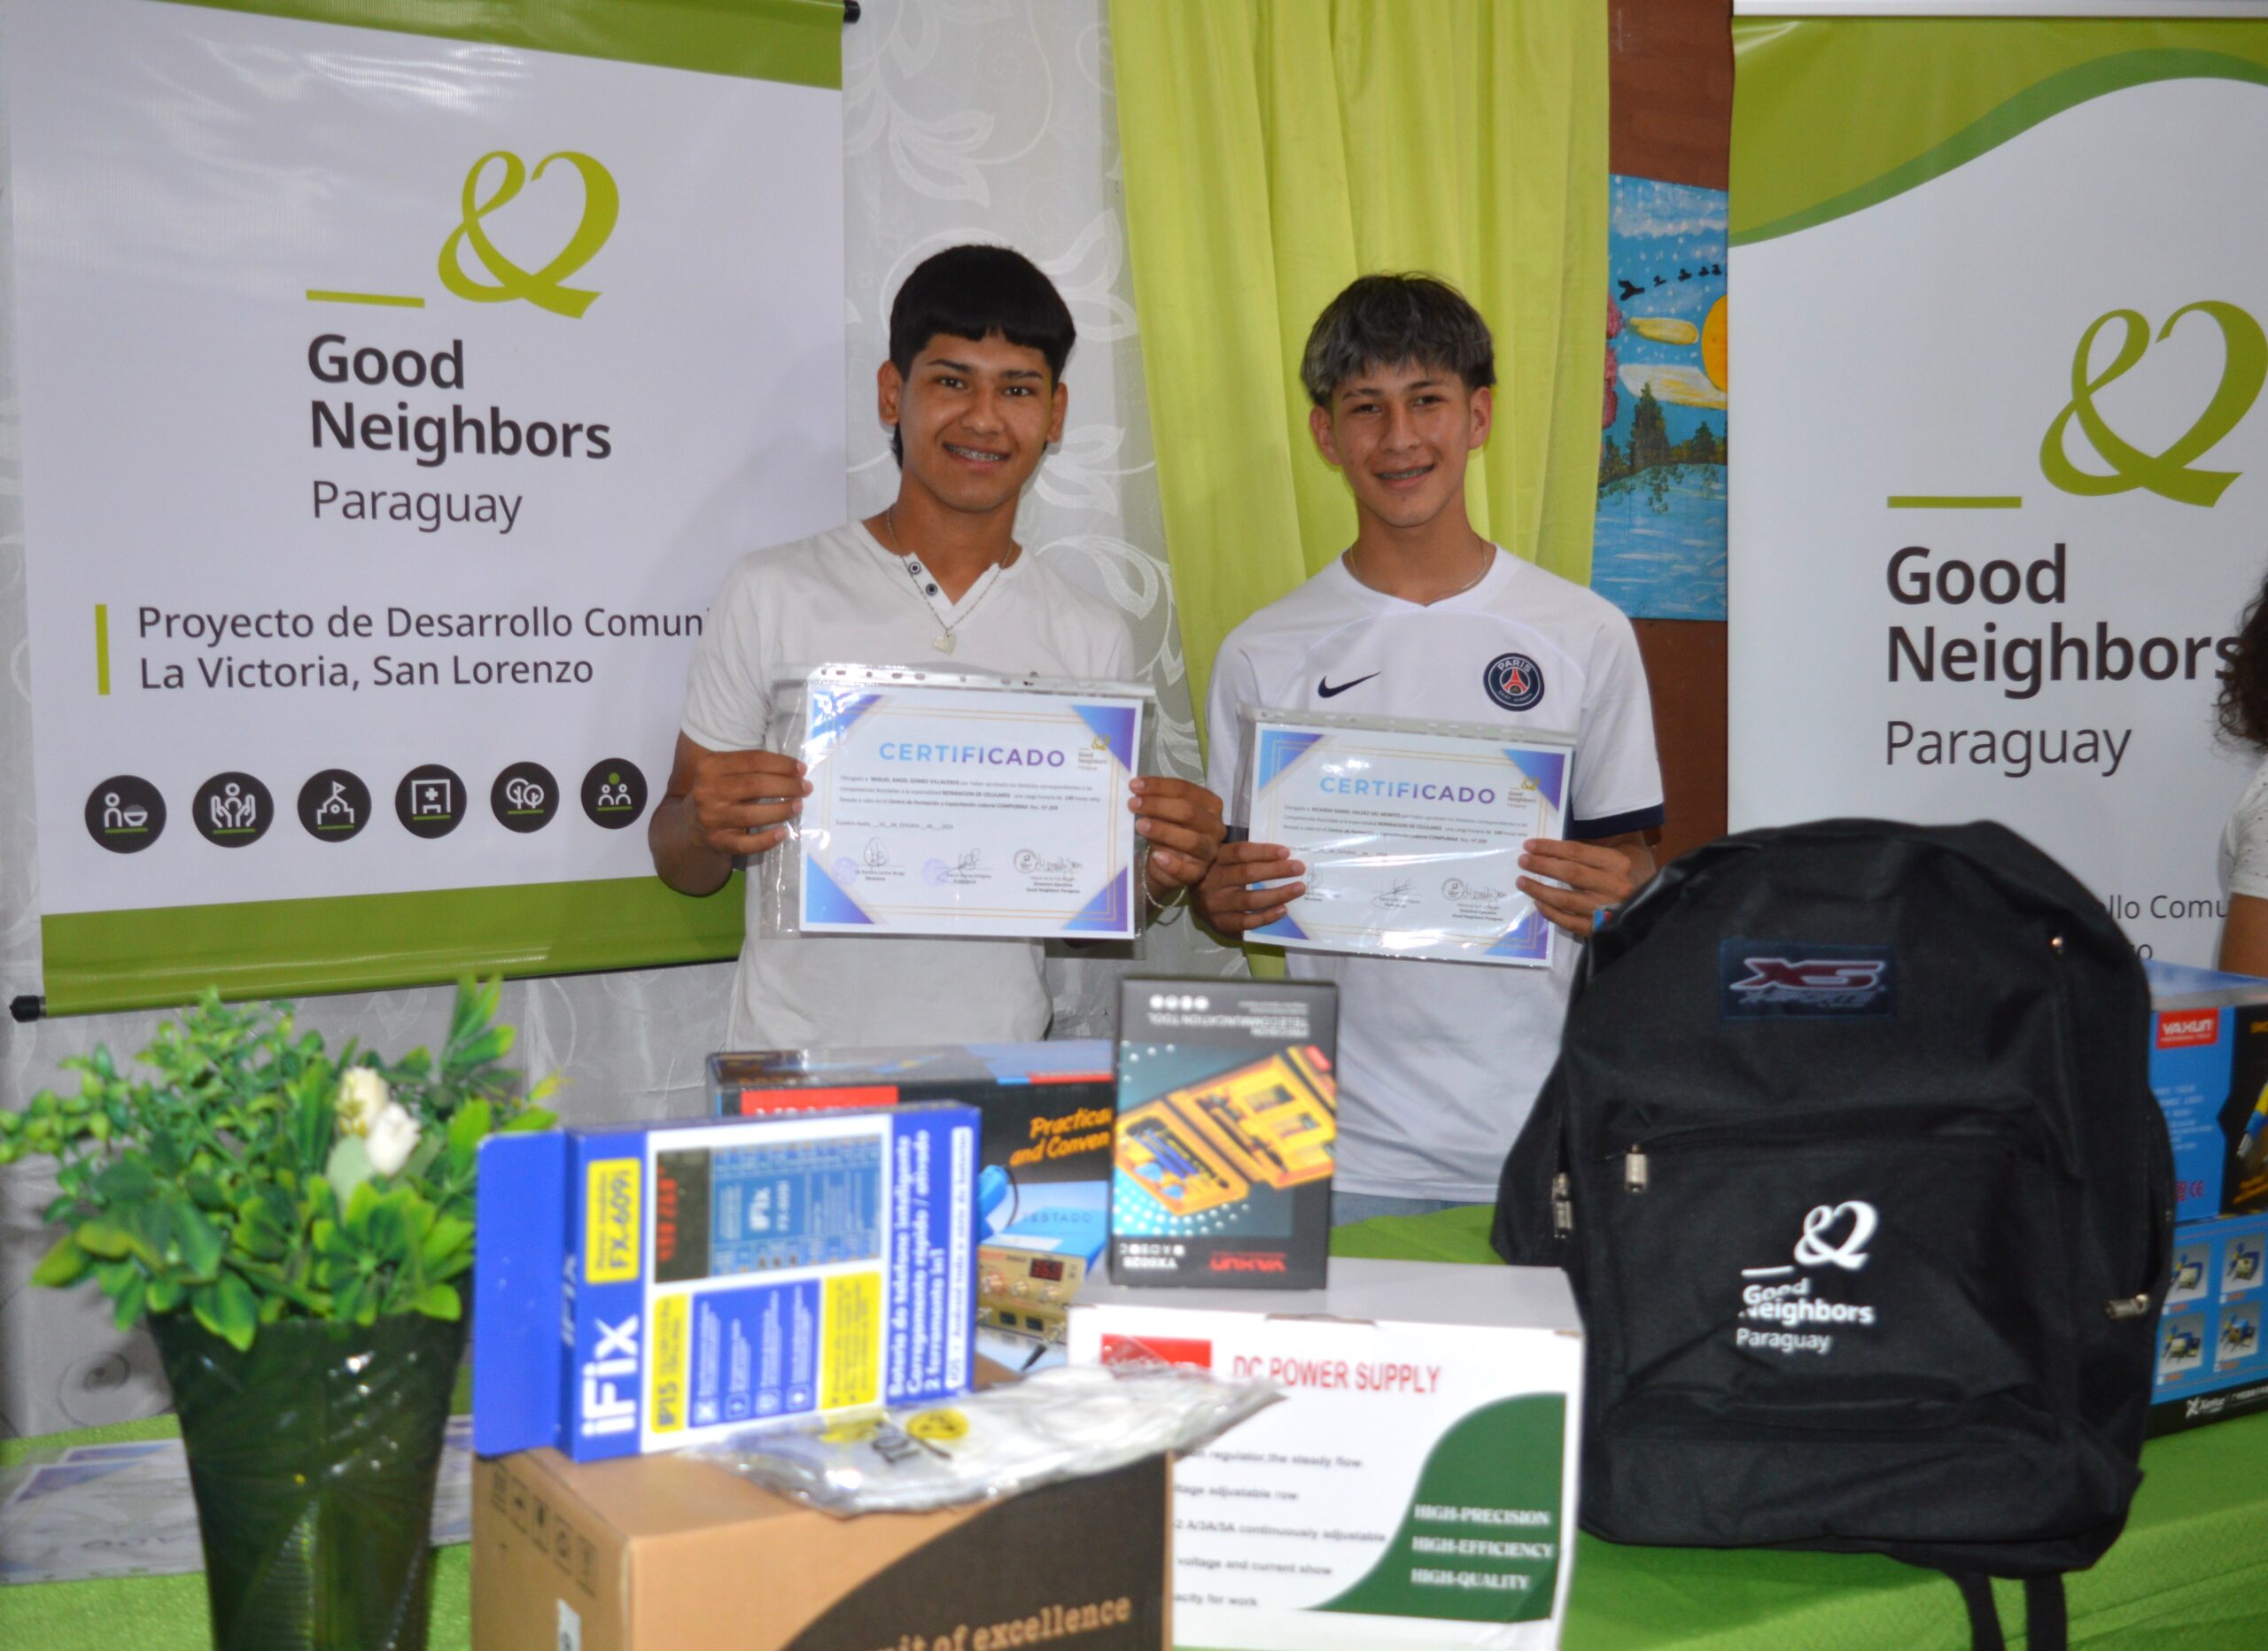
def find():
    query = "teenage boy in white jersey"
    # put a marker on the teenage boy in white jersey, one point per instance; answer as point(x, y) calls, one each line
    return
point(1422, 617)
point(974, 392)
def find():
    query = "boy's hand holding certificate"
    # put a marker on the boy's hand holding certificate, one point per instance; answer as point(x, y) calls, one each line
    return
point(1410, 833)
point(949, 803)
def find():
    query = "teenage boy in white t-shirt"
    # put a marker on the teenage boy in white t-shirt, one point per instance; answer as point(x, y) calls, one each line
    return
point(1422, 617)
point(974, 392)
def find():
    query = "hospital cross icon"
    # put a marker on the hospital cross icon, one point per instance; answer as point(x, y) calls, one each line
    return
point(430, 801)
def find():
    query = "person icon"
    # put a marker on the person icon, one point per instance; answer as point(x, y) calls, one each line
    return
point(227, 809)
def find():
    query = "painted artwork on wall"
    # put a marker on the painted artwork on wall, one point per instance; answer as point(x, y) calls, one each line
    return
point(1658, 549)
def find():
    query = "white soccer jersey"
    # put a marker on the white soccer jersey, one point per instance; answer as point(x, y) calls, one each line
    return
point(1439, 1063)
point(840, 597)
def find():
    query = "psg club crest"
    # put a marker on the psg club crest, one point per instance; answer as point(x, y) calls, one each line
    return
point(1514, 681)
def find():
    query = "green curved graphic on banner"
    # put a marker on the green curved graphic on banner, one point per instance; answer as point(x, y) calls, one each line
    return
point(2243, 370)
point(2028, 108)
point(545, 288)
point(1482, 1539)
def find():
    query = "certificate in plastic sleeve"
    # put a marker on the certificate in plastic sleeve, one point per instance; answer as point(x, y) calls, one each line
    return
point(963, 804)
point(1411, 834)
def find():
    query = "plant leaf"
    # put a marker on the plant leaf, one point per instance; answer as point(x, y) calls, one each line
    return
point(103, 1239)
point(66, 1264)
point(439, 1302)
point(130, 1302)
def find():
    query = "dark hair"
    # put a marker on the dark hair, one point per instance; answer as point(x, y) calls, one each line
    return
point(974, 292)
point(1388, 321)
point(2243, 703)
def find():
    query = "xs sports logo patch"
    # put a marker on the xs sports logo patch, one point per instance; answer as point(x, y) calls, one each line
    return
point(1778, 980)
point(1514, 681)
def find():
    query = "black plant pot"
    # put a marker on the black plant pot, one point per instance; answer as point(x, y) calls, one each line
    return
point(313, 1457)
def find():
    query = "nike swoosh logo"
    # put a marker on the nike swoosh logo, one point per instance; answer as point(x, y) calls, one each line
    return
point(1323, 686)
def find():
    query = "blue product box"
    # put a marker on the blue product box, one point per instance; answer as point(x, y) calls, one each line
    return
point(642, 1287)
point(2208, 1068)
point(2209, 1362)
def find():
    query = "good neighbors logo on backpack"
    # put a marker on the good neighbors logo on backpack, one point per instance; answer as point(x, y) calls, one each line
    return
point(1825, 1241)
point(1772, 979)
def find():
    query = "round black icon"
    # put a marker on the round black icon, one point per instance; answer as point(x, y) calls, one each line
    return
point(232, 810)
point(614, 793)
point(125, 814)
point(430, 801)
point(334, 805)
point(525, 797)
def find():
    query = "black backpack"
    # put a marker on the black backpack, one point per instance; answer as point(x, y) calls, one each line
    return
point(1851, 1156)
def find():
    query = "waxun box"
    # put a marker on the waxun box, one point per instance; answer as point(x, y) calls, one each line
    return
point(673, 1553)
point(2210, 1366)
point(644, 1288)
point(1042, 1193)
point(1227, 1133)
point(2208, 1068)
point(1416, 1484)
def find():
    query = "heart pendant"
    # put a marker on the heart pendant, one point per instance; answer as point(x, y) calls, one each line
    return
point(945, 642)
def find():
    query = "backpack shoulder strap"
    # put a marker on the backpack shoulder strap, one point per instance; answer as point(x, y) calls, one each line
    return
point(2046, 1612)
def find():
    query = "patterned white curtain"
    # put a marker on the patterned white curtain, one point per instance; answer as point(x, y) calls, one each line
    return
point(963, 120)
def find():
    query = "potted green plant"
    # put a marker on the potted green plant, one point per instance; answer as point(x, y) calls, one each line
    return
point(296, 1226)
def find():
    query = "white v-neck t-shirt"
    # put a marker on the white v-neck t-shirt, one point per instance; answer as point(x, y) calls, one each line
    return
point(840, 597)
point(1439, 1062)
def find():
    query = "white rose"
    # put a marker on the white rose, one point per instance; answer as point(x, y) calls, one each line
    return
point(363, 1096)
point(392, 1137)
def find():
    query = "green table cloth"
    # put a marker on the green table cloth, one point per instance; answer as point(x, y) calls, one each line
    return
point(2191, 1573)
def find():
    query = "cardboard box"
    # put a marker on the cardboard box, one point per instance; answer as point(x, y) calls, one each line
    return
point(1043, 1195)
point(673, 1553)
point(646, 1288)
point(1228, 1125)
point(2208, 1068)
point(2210, 1365)
point(1416, 1484)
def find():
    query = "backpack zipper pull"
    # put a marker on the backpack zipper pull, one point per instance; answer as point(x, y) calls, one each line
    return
point(1634, 1170)
point(1562, 1205)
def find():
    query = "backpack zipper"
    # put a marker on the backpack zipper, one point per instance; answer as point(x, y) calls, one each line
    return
point(1562, 1205)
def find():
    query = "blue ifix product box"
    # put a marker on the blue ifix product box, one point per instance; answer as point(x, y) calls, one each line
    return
point(646, 1288)
point(2209, 1362)
point(2208, 1068)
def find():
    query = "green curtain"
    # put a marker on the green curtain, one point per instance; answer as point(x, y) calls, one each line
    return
point(1277, 148)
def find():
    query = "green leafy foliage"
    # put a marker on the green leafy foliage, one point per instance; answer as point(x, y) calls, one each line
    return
point(233, 1183)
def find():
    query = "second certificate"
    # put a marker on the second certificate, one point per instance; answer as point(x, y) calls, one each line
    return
point(1411, 838)
point(968, 810)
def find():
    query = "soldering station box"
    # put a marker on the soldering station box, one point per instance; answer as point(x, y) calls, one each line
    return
point(1046, 1106)
point(2208, 1068)
point(1228, 1128)
point(644, 1288)
point(1043, 1195)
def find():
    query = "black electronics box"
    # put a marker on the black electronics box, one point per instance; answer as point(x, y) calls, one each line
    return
point(1228, 1127)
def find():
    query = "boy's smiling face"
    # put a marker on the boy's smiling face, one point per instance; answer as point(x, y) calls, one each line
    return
point(1401, 435)
point(976, 417)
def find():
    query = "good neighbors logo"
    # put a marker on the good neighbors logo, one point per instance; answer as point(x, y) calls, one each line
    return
point(2170, 474)
point(1834, 1235)
point(545, 286)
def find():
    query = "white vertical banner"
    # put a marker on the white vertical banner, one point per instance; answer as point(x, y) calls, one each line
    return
point(399, 380)
point(2001, 286)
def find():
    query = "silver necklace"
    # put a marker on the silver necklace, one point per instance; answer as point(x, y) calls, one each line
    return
point(925, 591)
point(1346, 560)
